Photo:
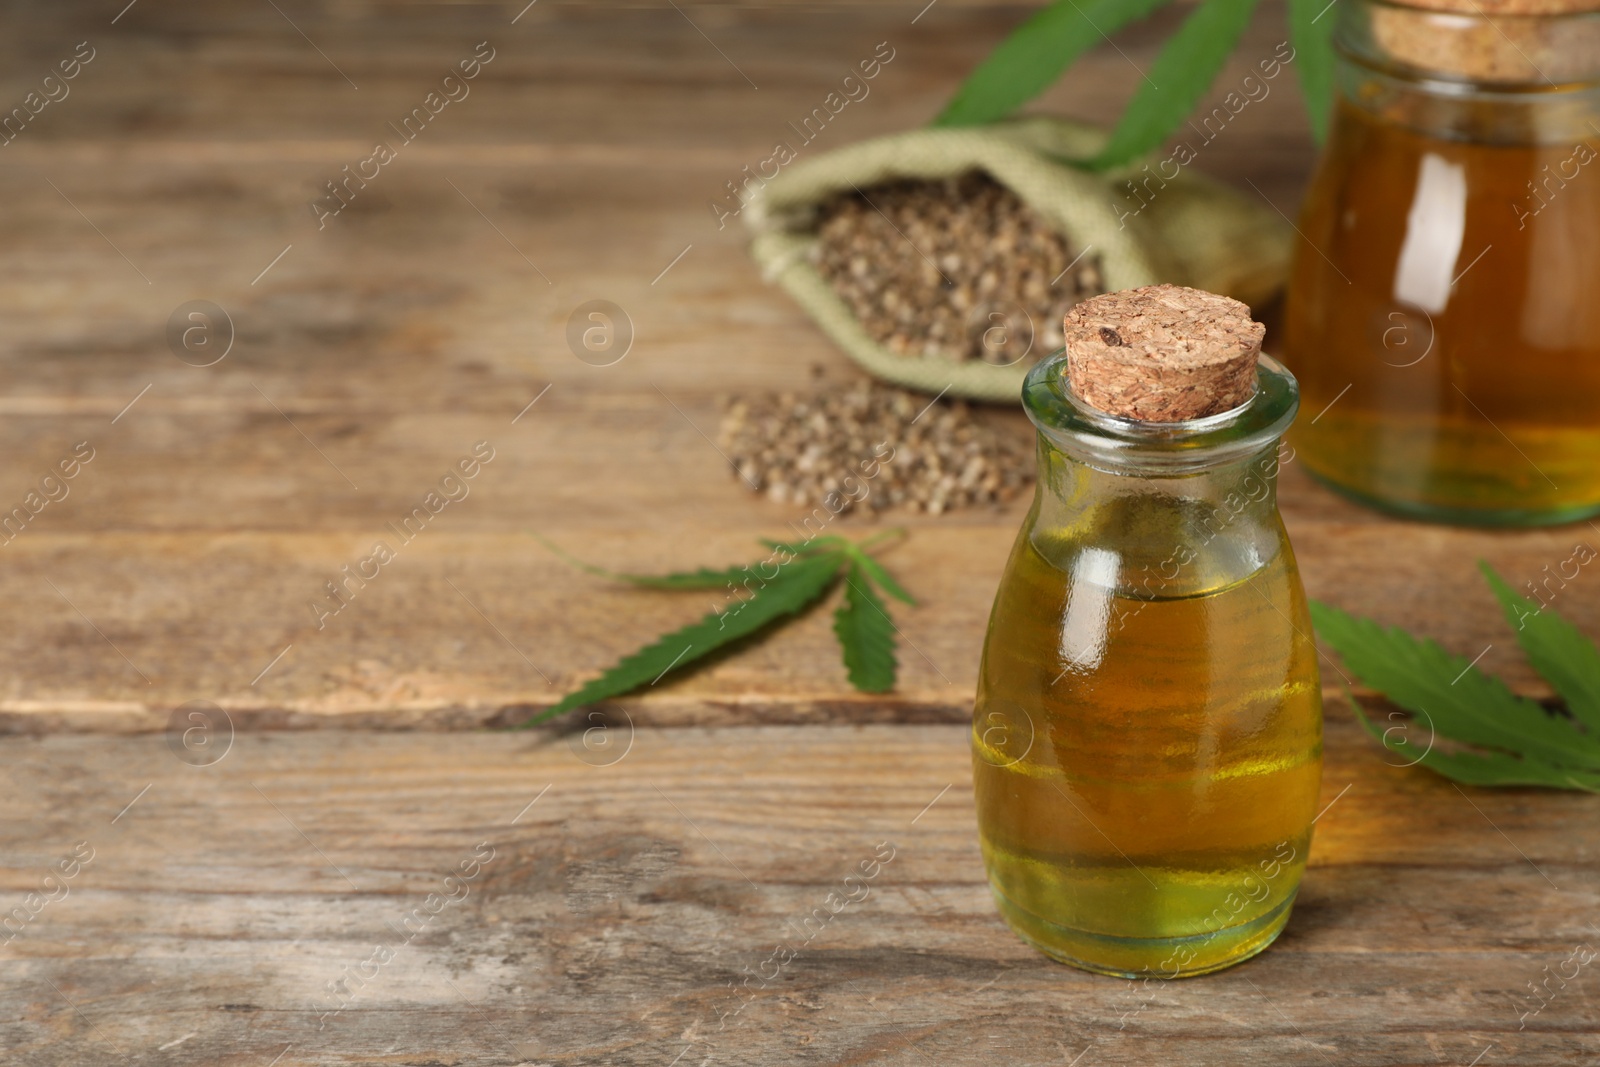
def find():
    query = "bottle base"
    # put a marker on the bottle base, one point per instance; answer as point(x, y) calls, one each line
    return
point(1133, 957)
point(1454, 516)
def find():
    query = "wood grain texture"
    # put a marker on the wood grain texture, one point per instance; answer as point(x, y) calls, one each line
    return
point(622, 908)
point(619, 909)
point(428, 313)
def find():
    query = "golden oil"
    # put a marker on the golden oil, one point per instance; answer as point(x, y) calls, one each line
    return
point(1147, 807)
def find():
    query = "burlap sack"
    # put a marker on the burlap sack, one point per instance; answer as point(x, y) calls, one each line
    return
point(1192, 230)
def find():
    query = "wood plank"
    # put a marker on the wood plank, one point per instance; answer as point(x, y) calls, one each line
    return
point(171, 615)
point(619, 908)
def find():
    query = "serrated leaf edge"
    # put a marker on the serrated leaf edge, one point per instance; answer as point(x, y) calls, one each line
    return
point(809, 579)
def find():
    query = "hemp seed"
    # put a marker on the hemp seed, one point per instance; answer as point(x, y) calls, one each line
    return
point(933, 458)
point(927, 266)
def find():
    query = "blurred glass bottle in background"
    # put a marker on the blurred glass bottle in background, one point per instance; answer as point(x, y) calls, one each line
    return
point(1444, 309)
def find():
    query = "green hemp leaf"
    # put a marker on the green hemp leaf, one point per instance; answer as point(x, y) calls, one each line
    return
point(1036, 53)
point(1498, 738)
point(802, 572)
point(1311, 25)
point(1188, 64)
point(866, 633)
point(1024, 64)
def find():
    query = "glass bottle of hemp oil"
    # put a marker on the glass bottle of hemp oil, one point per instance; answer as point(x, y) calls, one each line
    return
point(1147, 737)
point(1444, 311)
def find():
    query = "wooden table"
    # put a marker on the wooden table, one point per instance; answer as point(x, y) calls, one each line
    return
point(624, 883)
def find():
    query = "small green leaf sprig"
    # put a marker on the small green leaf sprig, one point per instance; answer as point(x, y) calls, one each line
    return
point(1502, 739)
point(1038, 51)
point(802, 573)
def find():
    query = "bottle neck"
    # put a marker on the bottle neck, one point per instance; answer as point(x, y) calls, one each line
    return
point(1159, 536)
point(1158, 510)
point(1505, 79)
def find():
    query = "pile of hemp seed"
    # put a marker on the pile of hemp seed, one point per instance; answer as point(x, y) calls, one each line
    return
point(877, 447)
point(930, 267)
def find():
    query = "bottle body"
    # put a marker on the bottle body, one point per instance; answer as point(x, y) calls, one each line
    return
point(1147, 734)
point(1441, 316)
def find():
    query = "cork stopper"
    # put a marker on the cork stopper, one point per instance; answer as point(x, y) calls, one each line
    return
point(1492, 8)
point(1492, 41)
point(1162, 353)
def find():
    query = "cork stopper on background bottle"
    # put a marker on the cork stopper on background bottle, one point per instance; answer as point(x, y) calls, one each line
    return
point(1492, 41)
point(1162, 353)
point(1492, 8)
